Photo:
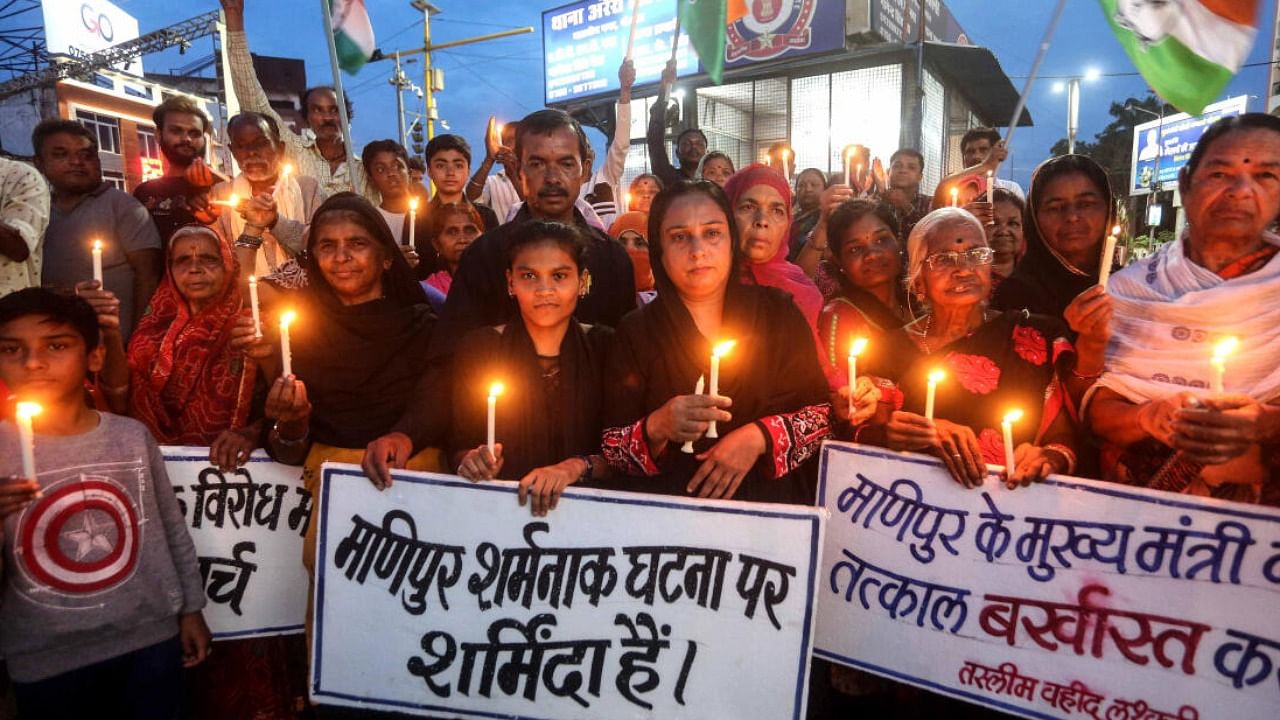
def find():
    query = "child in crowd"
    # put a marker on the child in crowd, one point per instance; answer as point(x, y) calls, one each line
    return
point(102, 590)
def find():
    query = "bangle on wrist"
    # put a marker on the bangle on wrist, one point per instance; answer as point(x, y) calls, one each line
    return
point(275, 430)
point(252, 242)
point(585, 475)
point(1067, 454)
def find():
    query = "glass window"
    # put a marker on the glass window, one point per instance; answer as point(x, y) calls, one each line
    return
point(149, 151)
point(106, 127)
point(115, 178)
point(866, 109)
point(931, 133)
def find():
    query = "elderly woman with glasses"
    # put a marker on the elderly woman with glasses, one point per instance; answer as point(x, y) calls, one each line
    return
point(992, 363)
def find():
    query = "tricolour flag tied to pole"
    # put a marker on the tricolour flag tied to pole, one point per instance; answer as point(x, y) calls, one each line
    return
point(1189, 50)
point(706, 22)
point(352, 34)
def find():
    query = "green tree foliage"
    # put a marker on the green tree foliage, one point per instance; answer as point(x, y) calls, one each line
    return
point(1113, 147)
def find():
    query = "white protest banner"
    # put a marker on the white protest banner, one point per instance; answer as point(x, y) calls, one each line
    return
point(443, 597)
point(1067, 599)
point(247, 526)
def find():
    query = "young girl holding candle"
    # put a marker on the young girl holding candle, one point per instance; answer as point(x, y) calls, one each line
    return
point(548, 417)
point(771, 407)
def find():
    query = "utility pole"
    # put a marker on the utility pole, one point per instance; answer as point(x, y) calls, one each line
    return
point(433, 79)
point(399, 80)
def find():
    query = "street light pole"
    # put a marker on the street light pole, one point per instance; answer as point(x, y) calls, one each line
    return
point(399, 82)
point(1073, 114)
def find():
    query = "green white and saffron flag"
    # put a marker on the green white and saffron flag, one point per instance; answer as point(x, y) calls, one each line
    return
point(352, 34)
point(1188, 50)
point(706, 22)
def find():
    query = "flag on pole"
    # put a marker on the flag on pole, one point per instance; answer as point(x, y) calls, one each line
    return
point(706, 22)
point(352, 34)
point(1187, 51)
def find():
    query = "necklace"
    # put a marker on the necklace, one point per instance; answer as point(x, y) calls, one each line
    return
point(928, 326)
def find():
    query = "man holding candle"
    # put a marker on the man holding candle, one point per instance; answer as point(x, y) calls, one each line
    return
point(107, 637)
point(268, 224)
point(1162, 422)
point(388, 166)
point(86, 208)
point(173, 200)
point(551, 146)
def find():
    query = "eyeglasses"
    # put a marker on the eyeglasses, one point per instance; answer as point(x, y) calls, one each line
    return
point(973, 257)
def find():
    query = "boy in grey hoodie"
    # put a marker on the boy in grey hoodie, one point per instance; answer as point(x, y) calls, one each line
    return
point(101, 596)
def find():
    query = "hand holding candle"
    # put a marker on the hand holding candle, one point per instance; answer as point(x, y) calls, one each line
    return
point(494, 391)
point(1006, 427)
point(935, 377)
point(687, 448)
point(1219, 363)
point(26, 437)
point(286, 355)
point(281, 182)
point(1108, 256)
point(97, 263)
point(716, 353)
point(859, 344)
point(991, 186)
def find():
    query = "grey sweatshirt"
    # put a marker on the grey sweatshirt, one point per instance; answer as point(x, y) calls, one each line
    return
point(102, 564)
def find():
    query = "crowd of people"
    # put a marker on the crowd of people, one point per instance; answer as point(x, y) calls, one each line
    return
point(599, 308)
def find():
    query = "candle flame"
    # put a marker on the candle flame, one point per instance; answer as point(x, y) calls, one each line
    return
point(413, 204)
point(286, 169)
point(498, 129)
point(848, 151)
point(234, 200)
point(287, 318)
point(97, 245)
point(496, 389)
point(253, 280)
point(1116, 231)
point(937, 376)
point(723, 348)
point(626, 200)
point(1013, 416)
point(785, 153)
point(1224, 348)
point(28, 410)
point(859, 344)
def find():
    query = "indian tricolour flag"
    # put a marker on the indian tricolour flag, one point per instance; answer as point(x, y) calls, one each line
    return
point(1188, 50)
point(352, 34)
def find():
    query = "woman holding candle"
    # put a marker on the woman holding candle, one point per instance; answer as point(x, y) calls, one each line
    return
point(1162, 422)
point(983, 364)
point(548, 417)
point(772, 406)
point(872, 304)
point(1069, 213)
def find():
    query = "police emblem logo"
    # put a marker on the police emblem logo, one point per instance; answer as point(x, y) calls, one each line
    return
point(81, 538)
point(770, 28)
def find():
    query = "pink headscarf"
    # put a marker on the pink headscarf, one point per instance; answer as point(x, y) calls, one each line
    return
point(776, 271)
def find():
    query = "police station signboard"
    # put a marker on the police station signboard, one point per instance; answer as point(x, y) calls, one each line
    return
point(584, 43)
point(83, 27)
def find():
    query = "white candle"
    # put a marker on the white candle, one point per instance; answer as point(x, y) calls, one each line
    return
point(1006, 425)
point(859, 344)
point(786, 166)
point(413, 218)
point(716, 353)
point(955, 197)
point(286, 356)
point(991, 186)
point(1108, 256)
point(857, 176)
point(1219, 363)
point(97, 263)
point(494, 391)
point(935, 377)
point(26, 438)
point(697, 390)
point(253, 305)
point(626, 201)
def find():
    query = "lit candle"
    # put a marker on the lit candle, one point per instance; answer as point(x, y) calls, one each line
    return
point(413, 218)
point(848, 165)
point(955, 197)
point(991, 186)
point(26, 438)
point(1006, 425)
point(253, 305)
point(859, 344)
point(716, 353)
point(935, 377)
point(97, 263)
point(697, 390)
point(1108, 256)
point(626, 201)
point(230, 202)
point(286, 356)
point(857, 176)
point(494, 391)
point(786, 166)
point(1219, 362)
point(281, 181)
